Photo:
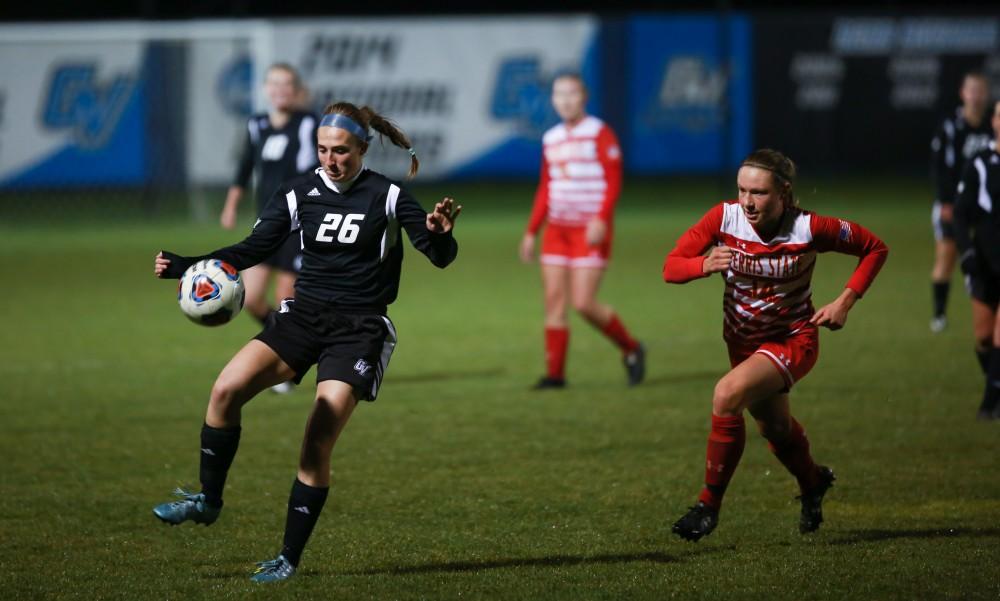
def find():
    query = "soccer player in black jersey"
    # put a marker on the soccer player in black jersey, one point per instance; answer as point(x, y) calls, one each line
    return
point(977, 235)
point(956, 140)
point(349, 219)
point(280, 144)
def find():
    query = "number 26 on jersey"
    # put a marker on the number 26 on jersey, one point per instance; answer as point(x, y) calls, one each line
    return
point(348, 226)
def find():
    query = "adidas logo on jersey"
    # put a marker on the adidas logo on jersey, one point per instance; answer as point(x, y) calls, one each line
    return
point(313, 192)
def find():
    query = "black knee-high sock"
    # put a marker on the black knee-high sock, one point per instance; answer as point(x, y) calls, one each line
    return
point(991, 396)
point(984, 358)
point(304, 505)
point(218, 447)
point(940, 290)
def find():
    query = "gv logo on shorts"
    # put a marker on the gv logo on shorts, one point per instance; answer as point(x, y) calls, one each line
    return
point(362, 367)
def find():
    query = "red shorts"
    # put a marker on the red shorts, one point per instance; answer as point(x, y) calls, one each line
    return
point(567, 245)
point(794, 356)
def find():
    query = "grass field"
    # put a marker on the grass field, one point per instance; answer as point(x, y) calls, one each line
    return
point(459, 482)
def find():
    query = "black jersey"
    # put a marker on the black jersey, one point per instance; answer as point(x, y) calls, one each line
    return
point(352, 253)
point(977, 216)
point(955, 142)
point(280, 154)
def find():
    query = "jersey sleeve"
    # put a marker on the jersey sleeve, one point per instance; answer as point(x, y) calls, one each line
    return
point(441, 249)
point(609, 153)
point(244, 166)
point(943, 164)
point(837, 235)
point(684, 263)
point(307, 160)
point(966, 215)
point(541, 207)
point(268, 234)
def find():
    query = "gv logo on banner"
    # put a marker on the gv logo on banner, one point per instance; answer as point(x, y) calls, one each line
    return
point(521, 93)
point(78, 101)
point(692, 94)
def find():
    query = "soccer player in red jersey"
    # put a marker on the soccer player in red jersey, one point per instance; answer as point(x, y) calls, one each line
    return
point(765, 247)
point(580, 182)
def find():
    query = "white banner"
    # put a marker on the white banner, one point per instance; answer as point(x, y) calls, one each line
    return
point(470, 92)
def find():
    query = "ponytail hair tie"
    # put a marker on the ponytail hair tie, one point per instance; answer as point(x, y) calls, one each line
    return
point(412, 151)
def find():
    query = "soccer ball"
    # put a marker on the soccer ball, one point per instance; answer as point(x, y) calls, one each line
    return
point(211, 292)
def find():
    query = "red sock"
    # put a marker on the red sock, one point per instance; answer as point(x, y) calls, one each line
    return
point(793, 453)
point(615, 330)
point(725, 447)
point(556, 342)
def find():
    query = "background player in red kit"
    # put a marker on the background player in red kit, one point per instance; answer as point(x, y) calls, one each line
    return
point(765, 247)
point(580, 182)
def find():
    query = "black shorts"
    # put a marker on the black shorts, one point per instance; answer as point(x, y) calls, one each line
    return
point(943, 230)
point(351, 348)
point(984, 287)
point(289, 256)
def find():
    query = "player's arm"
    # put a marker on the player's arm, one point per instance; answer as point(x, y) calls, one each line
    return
point(268, 234)
point(430, 233)
point(837, 235)
point(307, 159)
point(943, 165)
point(610, 156)
point(244, 168)
point(687, 261)
point(965, 215)
point(538, 213)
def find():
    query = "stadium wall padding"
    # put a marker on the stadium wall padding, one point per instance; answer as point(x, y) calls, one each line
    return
point(686, 92)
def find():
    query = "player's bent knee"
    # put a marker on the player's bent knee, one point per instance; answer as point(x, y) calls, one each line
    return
point(589, 310)
point(727, 398)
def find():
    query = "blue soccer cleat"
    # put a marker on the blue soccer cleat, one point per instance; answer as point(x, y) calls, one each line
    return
point(191, 507)
point(275, 570)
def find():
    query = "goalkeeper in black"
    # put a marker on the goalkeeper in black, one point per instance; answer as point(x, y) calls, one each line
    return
point(349, 220)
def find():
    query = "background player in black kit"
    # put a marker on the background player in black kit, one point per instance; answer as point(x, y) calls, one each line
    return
point(280, 144)
point(977, 235)
point(350, 218)
point(957, 139)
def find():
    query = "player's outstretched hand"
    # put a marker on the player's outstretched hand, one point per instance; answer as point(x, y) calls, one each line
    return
point(442, 220)
point(717, 260)
point(160, 264)
point(596, 231)
point(527, 249)
point(168, 265)
point(834, 315)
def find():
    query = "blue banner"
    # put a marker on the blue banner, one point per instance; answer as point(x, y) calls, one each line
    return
point(690, 97)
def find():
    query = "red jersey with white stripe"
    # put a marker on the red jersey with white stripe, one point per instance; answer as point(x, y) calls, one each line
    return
point(768, 294)
point(581, 175)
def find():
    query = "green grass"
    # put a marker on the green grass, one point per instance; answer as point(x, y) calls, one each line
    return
point(459, 482)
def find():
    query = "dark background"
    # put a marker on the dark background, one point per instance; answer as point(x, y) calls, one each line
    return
point(49, 10)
